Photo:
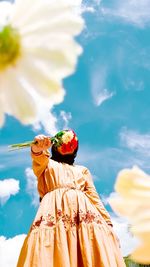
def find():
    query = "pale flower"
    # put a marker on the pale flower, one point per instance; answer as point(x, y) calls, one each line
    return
point(67, 137)
point(133, 202)
point(37, 50)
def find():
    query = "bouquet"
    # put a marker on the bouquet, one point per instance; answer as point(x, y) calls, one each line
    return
point(66, 140)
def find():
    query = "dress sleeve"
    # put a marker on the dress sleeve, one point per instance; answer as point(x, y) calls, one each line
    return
point(40, 162)
point(92, 194)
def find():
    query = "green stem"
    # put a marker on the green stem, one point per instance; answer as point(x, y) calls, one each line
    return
point(26, 144)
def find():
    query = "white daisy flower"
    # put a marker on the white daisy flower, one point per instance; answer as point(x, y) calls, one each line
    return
point(37, 50)
point(67, 137)
point(133, 202)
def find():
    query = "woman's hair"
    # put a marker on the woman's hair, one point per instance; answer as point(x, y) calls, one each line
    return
point(67, 158)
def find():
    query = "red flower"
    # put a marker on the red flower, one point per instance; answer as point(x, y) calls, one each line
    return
point(68, 148)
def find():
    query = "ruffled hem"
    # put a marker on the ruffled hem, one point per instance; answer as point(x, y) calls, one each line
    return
point(68, 231)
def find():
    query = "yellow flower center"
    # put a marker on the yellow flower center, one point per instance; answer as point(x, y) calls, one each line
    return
point(10, 46)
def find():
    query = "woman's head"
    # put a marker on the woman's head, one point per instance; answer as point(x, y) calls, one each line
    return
point(65, 146)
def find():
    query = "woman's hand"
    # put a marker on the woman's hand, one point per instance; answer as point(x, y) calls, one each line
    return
point(42, 143)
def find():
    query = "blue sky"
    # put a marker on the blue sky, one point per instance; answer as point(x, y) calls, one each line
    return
point(107, 103)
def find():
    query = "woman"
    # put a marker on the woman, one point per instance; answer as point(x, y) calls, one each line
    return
point(72, 227)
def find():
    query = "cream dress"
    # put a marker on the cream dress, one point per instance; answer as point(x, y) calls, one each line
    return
point(72, 227)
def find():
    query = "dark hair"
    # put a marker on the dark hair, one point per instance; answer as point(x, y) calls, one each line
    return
point(68, 158)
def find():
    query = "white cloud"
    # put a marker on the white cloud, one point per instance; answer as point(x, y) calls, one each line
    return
point(8, 187)
point(98, 86)
point(134, 150)
point(103, 96)
point(113, 157)
point(90, 7)
point(105, 163)
point(21, 158)
point(49, 122)
point(10, 249)
point(52, 123)
point(46, 120)
point(135, 141)
point(66, 117)
point(63, 120)
point(86, 9)
point(136, 12)
point(31, 187)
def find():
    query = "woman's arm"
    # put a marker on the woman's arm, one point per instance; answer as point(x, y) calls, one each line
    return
point(92, 194)
point(40, 154)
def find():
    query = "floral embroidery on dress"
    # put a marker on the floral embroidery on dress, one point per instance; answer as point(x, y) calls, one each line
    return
point(69, 221)
point(49, 220)
point(38, 222)
point(89, 217)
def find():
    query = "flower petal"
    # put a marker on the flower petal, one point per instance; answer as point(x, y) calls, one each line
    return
point(61, 62)
point(5, 12)
point(48, 54)
point(18, 102)
point(25, 15)
point(133, 202)
point(142, 253)
point(63, 25)
point(129, 182)
point(40, 79)
point(58, 52)
point(48, 20)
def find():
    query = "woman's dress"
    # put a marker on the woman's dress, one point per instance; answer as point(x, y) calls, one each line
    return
point(72, 227)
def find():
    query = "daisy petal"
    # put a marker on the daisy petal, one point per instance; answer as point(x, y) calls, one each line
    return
point(18, 102)
point(141, 254)
point(51, 8)
point(46, 53)
point(41, 80)
point(57, 61)
point(60, 45)
point(133, 202)
point(63, 25)
point(5, 12)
